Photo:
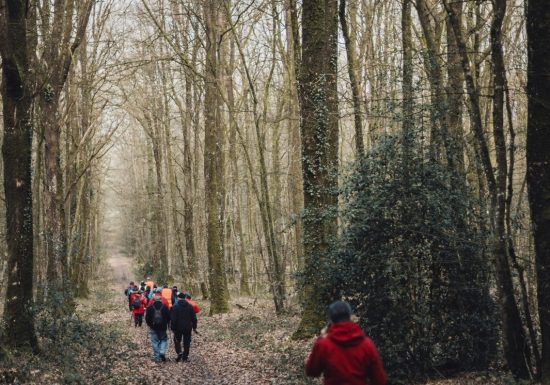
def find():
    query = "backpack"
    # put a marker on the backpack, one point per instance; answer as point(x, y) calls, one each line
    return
point(137, 303)
point(158, 320)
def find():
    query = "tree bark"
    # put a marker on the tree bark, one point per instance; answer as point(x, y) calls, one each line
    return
point(319, 127)
point(213, 149)
point(538, 161)
point(17, 157)
point(352, 72)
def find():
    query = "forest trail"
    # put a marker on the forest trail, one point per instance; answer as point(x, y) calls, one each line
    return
point(120, 265)
point(210, 362)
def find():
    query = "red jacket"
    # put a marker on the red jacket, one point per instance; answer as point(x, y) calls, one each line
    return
point(195, 306)
point(141, 309)
point(346, 357)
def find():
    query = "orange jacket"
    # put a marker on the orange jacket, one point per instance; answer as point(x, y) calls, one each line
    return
point(150, 284)
point(167, 295)
point(162, 299)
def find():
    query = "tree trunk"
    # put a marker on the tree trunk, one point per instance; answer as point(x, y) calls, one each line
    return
point(17, 157)
point(319, 127)
point(516, 348)
point(455, 90)
point(408, 102)
point(538, 161)
point(213, 149)
point(352, 72)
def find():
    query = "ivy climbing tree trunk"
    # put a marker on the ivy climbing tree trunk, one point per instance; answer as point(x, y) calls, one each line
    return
point(538, 161)
point(319, 127)
point(17, 155)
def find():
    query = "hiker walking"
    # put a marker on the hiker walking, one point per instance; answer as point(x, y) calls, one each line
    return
point(150, 283)
point(166, 293)
point(138, 308)
point(182, 320)
point(157, 318)
point(158, 294)
point(174, 295)
point(128, 292)
point(343, 354)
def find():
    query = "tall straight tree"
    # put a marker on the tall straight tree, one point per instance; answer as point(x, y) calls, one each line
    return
point(319, 128)
point(538, 161)
point(213, 161)
point(17, 155)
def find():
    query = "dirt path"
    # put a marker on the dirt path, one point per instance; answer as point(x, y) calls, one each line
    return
point(210, 361)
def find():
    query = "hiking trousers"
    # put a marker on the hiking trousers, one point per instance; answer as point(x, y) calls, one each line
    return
point(186, 336)
point(138, 319)
point(159, 340)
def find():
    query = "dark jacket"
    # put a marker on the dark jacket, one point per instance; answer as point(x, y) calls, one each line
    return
point(151, 312)
point(183, 318)
point(346, 356)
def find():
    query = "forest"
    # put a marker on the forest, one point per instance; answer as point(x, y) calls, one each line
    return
point(270, 157)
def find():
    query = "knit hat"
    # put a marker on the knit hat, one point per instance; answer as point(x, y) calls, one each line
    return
point(339, 311)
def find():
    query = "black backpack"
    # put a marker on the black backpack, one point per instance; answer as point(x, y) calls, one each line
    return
point(158, 320)
point(137, 303)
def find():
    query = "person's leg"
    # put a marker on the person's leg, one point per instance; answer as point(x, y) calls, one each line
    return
point(186, 344)
point(155, 343)
point(163, 345)
point(136, 320)
point(139, 319)
point(177, 342)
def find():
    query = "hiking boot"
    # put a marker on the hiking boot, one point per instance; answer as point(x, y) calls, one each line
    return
point(184, 359)
point(180, 357)
point(163, 358)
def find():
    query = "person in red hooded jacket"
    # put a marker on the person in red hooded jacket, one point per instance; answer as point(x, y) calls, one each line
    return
point(138, 308)
point(343, 354)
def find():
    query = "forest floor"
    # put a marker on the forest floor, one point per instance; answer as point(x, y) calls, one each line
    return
point(247, 346)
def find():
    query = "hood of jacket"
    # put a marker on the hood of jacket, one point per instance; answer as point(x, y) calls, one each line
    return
point(346, 333)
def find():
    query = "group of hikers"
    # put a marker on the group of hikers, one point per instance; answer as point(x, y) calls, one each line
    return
point(342, 354)
point(163, 307)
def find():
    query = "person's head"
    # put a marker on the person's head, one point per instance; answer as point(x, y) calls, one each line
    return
point(142, 283)
point(339, 311)
point(132, 283)
point(159, 291)
point(174, 288)
point(135, 287)
point(155, 287)
point(148, 278)
point(165, 286)
point(181, 295)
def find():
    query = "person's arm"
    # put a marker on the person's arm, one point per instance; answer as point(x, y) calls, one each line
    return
point(314, 363)
point(148, 316)
point(376, 373)
point(193, 319)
